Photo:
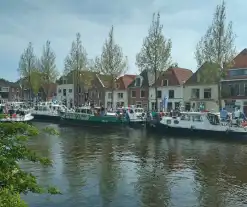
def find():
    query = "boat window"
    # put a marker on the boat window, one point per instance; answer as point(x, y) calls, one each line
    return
point(197, 118)
point(77, 110)
point(185, 117)
point(84, 111)
point(213, 119)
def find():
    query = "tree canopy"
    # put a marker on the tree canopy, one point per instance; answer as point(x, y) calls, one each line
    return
point(13, 148)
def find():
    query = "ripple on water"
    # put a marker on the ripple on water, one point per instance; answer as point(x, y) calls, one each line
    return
point(132, 168)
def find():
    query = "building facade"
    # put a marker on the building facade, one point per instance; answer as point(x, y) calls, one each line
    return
point(170, 86)
point(65, 94)
point(9, 91)
point(201, 89)
point(234, 86)
point(120, 93)
point(138, 90)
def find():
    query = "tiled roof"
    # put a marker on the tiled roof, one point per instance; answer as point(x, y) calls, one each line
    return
point(145, 82)
point(106, 80)
point(175, 76)
point(240, 61)
point(182, 74)
point(124, 81)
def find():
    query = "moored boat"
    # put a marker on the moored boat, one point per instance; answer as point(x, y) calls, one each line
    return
point(197, 123)
point(88, 116)
point(48, 111)
point(14, 115)
point(135, 115)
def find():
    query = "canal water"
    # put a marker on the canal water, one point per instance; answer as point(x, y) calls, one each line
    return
point(130, 168)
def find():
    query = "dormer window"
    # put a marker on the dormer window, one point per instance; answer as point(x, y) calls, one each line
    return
point(164, 82)
point(138, 82)
point(117, 85)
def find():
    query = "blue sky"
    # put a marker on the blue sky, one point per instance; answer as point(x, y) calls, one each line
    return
point(184, 22)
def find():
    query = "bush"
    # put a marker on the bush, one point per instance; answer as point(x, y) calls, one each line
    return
point(13, 180)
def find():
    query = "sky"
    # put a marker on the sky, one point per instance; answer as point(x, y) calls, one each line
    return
point(36, 21)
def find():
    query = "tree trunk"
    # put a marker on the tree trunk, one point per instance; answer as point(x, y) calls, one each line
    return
point(219, 95)
point(156, 90)
point(112, 98)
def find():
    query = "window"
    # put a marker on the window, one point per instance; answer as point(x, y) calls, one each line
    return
point(64, 92)
point(138, 82)
point(207, 93)
point(70, 90)
point(164, 83)
point(237, 89)
point(159, 94)
point(171, 93)
point(139, 104)
point(64, 81)
point(153, 105)
point(238, 72)
point(4, 89)
point(59, 90)
point(177, 105)
point(169, 106)
point(120, 95)
point(142, 95)
point(195, 93)
point(245, 89)
point(13, 90)
point(234, 89)
point(17, 90)
point(133, 94)
point(109, 95)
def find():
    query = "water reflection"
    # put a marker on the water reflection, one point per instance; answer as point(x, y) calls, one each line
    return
point(130, 168)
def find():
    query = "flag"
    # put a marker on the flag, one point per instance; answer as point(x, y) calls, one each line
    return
point(165, 102)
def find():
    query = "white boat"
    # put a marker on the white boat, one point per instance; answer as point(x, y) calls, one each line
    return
point(48, 111)
point(135, 115)
point(14, 114)
point(204, 123)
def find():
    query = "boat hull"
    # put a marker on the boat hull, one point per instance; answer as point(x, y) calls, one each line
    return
point(187, 132)
point(46, 118)
point(88, 123)
point(18, 119)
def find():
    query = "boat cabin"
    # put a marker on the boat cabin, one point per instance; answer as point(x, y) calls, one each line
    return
point(84, 110)
point(49, 106)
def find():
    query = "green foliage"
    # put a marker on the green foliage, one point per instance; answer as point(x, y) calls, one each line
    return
point(77, 59)
point(27, 64)
point(47, 67)
point(112, 61)
point(36, 80)
point(217, 46)
point(155, 54)
point(13, 180)
point(10, 199)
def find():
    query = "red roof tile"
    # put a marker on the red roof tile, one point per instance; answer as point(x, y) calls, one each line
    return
point(124, 81)
point(182, 74)
point(175, 76)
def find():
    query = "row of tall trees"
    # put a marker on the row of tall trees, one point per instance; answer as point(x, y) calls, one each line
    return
point(216, 46)
point(38, 71)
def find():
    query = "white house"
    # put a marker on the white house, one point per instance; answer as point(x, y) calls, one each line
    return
point(169, 86)
point(65, 94)
point(120, 93)
point(200, 90)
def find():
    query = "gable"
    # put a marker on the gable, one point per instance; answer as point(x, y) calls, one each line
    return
point(144, 82)
point(174, 77)
point(240, 61)
point(204, 75)
point(168, 76)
